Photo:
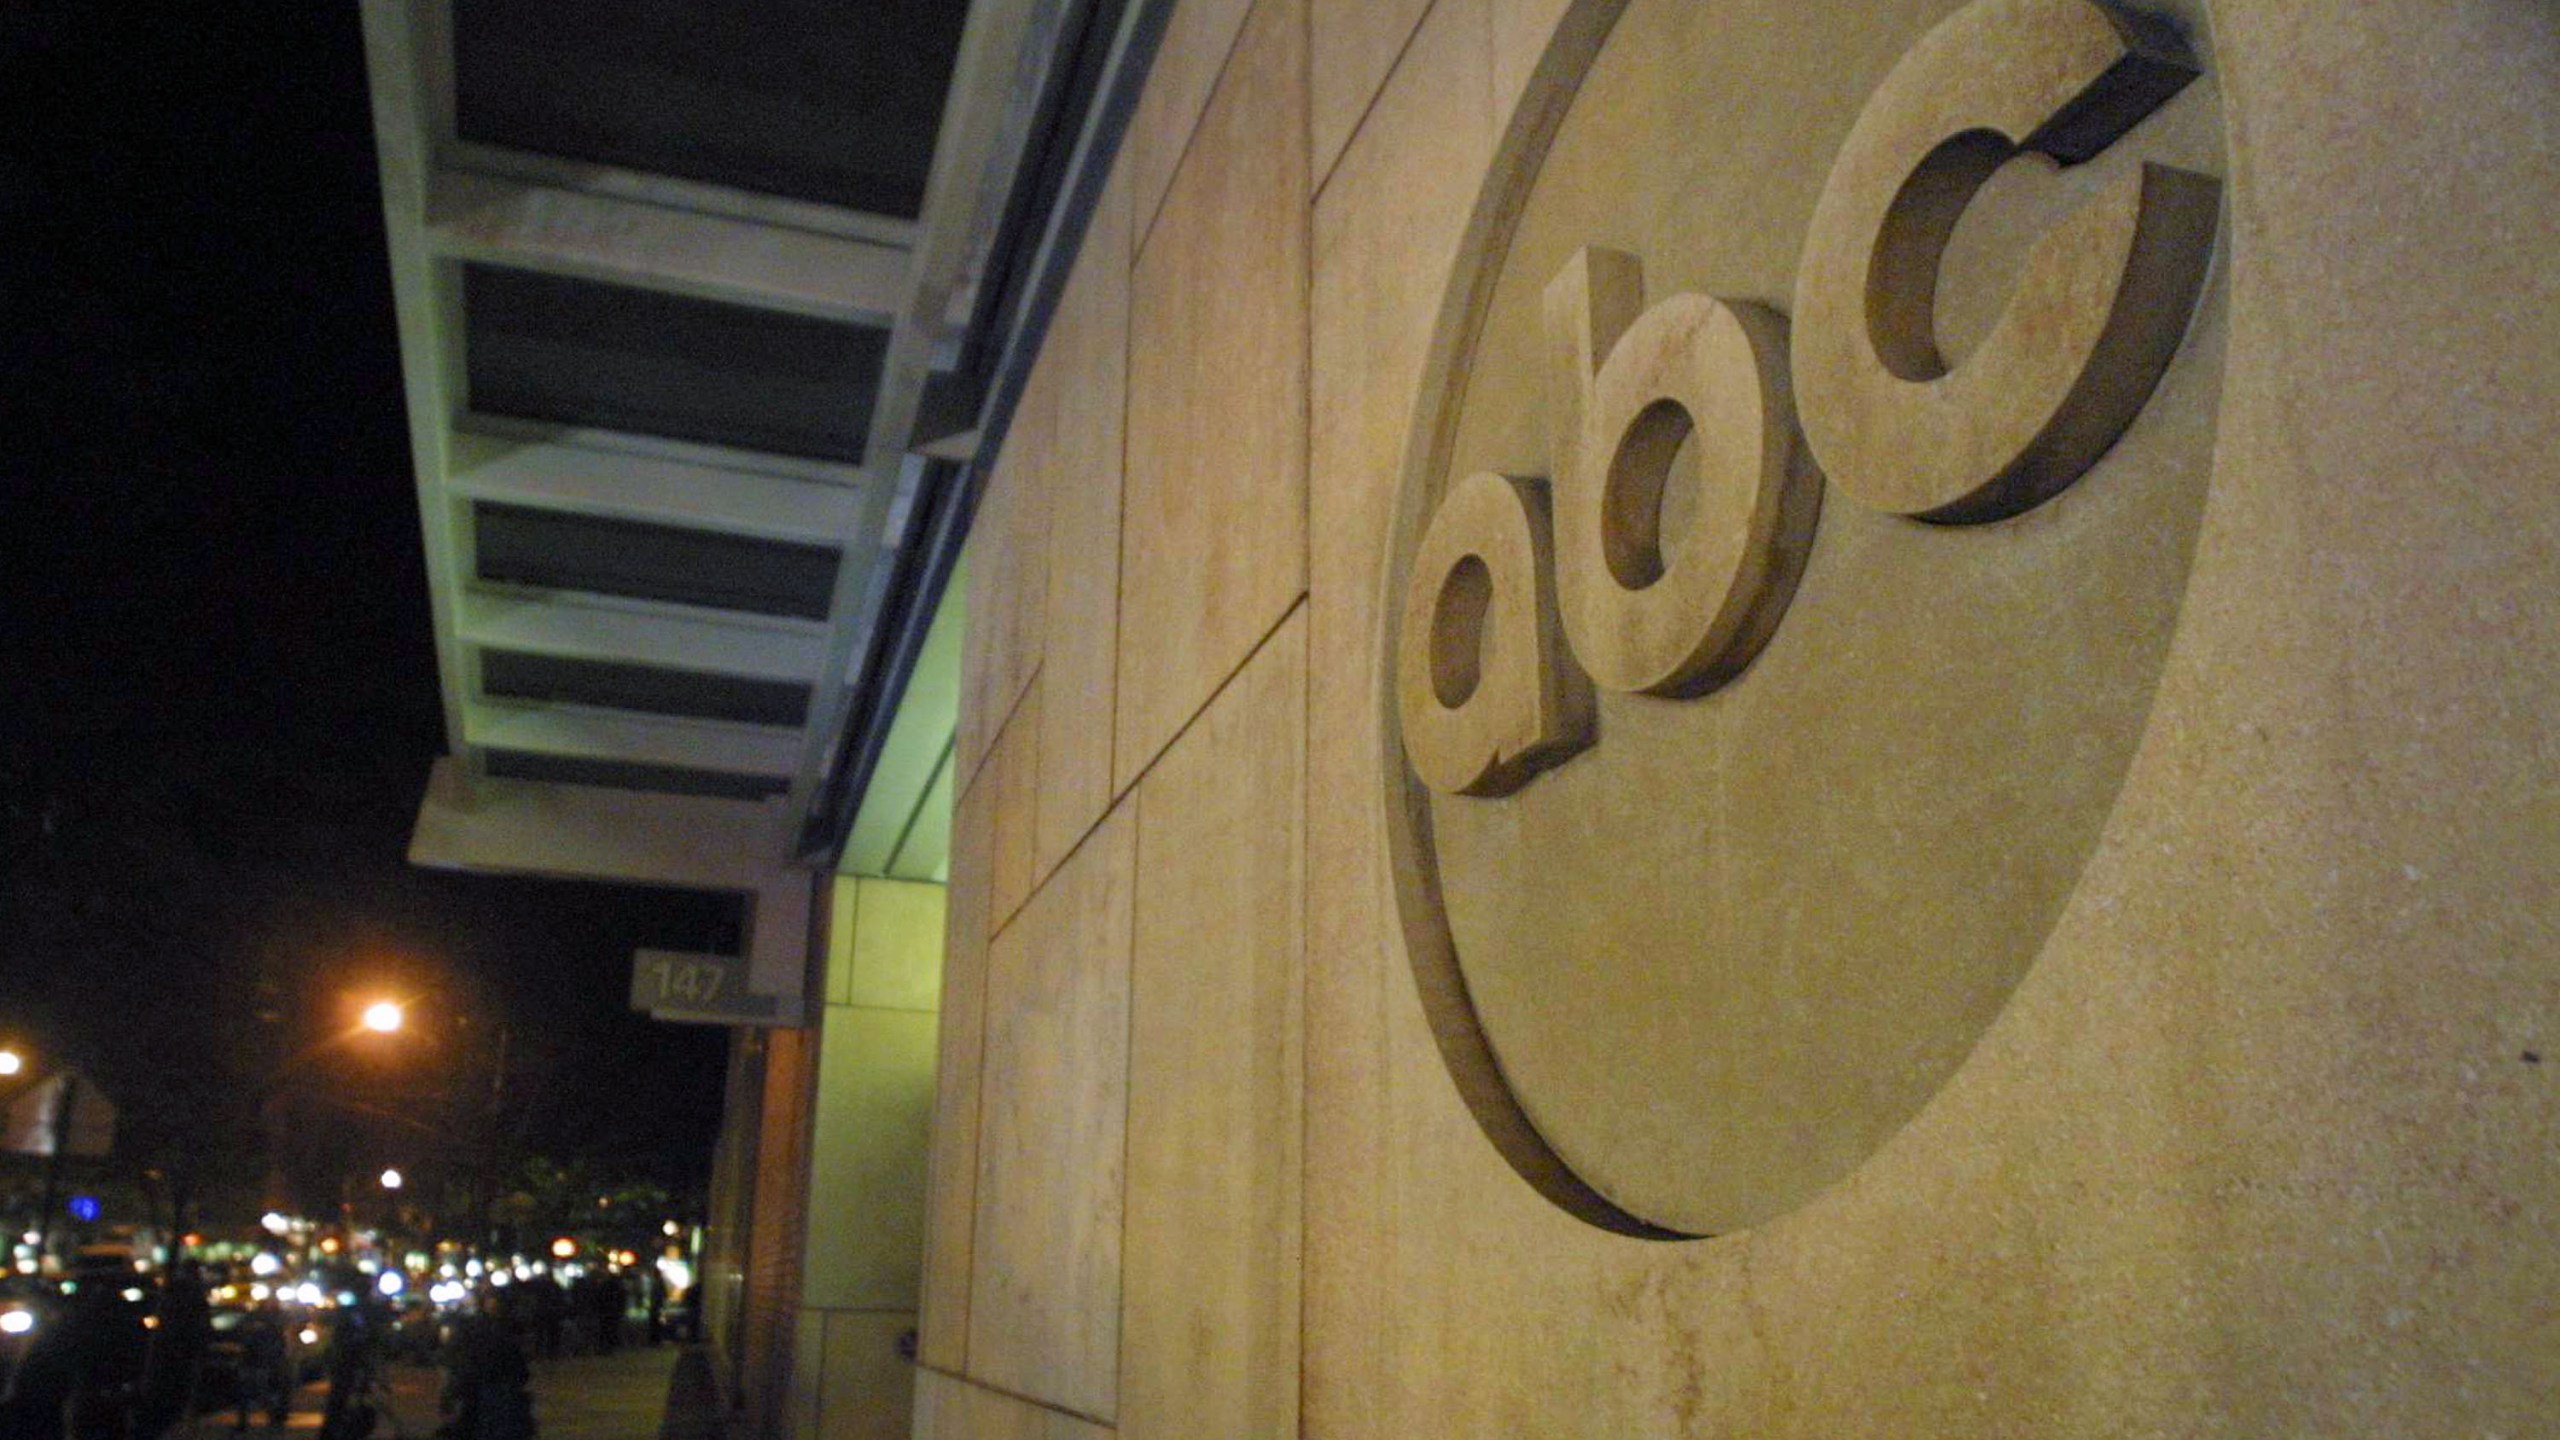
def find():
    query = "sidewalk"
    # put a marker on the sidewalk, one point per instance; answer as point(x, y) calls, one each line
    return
point(636, 1394)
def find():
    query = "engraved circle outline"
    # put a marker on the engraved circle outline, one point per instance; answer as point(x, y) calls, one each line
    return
point(1412, 883)
point(1413, 879)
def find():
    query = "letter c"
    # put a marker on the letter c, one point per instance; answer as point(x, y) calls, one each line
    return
point(2098, 307)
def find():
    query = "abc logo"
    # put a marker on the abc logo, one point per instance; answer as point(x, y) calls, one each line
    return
point(1690, 948)
point(1513, 574)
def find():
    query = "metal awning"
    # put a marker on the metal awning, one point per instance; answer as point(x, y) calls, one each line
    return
point(675, 281)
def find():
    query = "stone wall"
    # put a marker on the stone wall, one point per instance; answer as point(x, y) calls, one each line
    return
point(2248, 1125)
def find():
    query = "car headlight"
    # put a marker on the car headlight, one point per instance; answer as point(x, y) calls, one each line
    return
point(16, 1322)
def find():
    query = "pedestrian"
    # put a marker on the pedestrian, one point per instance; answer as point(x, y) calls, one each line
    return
point(177, 1349)
point(485, 1394)
point(265, 1379)
point(608, 1301)
point(355, 1370)
point(550, 1315)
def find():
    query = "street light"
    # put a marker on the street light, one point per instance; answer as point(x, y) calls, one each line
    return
point(382, 1017)
point(393, 1180)
point(11, 1062)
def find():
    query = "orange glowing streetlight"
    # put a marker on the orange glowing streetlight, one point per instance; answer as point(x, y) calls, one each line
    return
point(385, 1017)
point(11, 1062)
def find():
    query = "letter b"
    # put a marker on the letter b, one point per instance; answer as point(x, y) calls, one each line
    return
point(1645, 611)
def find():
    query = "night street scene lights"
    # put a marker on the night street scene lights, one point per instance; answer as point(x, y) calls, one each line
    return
point(385, 1017)
point(11, 1063)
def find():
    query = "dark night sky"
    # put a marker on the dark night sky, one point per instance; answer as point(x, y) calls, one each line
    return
point(217, 687)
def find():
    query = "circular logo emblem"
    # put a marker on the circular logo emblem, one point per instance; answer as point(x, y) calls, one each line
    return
point(1800, 501)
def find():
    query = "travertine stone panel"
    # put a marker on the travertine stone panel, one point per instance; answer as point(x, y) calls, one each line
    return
point(951, 1177)
point(1194, 52)
point(1211, 1343)
point(1013, 773)
point(2259, 1144)
point(1008, 578)
point(953, 1409)
point(1351, 45)
point(1385, 228)
point(1088, 345)
point(1044, 1313)
point(2351, 831)
point(1213, 549)
point(866, 1389)
point(867, 1165)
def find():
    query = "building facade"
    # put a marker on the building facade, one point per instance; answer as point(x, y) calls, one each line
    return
point(2144, 1025)
point(1683, 720)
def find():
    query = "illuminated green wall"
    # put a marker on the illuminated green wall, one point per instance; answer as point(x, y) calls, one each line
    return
point(867, 1158)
